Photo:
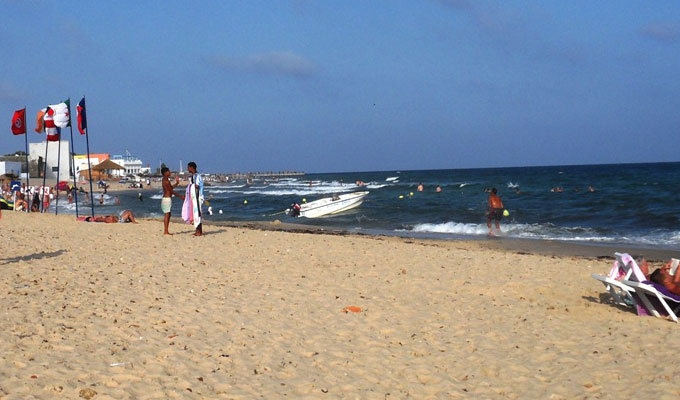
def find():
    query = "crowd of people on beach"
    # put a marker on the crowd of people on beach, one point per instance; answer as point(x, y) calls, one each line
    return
point(34, 198)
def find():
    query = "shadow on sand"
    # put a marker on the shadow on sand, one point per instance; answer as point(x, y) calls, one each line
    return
point(34, 256)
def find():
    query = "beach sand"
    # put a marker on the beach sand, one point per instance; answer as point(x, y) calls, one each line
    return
point(117, 311)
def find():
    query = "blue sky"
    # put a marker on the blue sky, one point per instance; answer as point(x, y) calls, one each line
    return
point(325, 86)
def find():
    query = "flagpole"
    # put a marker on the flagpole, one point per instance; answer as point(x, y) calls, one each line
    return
point(28, 167)
point(42, 189)
point(89, 166)
point(72, 163)
point(56, 207)
point(73, 169)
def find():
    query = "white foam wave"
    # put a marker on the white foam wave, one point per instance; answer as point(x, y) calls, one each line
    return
point(291, 188)
point(550, 232)
point(300, 192)
point(453, 228)
point(218, 187)
point(156, 196)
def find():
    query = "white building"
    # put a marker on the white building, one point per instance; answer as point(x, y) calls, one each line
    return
point(37, 150)
point(10, 167)
point(132, 164)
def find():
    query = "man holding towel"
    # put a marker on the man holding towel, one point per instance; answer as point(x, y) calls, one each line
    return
point(197, 181)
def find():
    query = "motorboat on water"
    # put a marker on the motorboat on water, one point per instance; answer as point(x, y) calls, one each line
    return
point(327, 206)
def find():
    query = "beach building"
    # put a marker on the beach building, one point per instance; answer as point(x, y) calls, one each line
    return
point(81, 164)
point(36, 154)
point(133, 165)
point(105, 170)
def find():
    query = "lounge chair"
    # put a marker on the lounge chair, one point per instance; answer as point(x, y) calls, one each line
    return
point(621, 293)
point(624, 268)
point(656, 297)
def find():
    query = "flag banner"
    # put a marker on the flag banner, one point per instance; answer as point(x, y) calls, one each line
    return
point(39, 118)
point(52, 130)
point(62, 114)
point(82, 117)
point(19, 122)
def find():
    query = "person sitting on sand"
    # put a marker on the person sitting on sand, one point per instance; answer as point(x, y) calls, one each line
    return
point(20, 204)
point(127, 216)
point(35, 205)
point(495, 211)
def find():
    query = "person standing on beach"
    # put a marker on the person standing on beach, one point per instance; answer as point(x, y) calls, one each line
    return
point(495, 211)
point(166, 202)
point(198, 181)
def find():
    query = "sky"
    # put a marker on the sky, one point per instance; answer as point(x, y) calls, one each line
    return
point(352, 85)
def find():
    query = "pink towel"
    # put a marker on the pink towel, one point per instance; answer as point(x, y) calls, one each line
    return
point(187, 207)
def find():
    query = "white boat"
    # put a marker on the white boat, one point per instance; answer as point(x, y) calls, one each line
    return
point(328, 205)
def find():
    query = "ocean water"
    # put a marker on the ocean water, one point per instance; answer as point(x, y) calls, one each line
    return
point(633, 204)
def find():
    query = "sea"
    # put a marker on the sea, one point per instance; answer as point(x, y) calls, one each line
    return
point(632, 204)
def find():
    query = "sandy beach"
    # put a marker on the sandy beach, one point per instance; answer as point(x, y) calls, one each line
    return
point(118, 311)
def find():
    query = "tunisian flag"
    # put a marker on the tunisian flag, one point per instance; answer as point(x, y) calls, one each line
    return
point(19, 122)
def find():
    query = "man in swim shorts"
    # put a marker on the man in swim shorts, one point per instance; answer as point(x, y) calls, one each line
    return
point(166, 202)
point(495, 211)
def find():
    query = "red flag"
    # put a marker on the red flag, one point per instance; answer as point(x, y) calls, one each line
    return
point(39, 127)
point(19, 122)
point(52, 130)
point(82, 117)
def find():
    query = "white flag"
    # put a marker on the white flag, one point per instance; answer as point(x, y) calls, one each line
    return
point(62, 117)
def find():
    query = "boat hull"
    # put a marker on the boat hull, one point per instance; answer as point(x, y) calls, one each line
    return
point(330, 206)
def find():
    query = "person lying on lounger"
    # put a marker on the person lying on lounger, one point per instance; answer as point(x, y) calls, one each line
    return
point(663, 276)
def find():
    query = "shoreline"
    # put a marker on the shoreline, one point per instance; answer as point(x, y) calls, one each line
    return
point(533, 246)
point(537, 246)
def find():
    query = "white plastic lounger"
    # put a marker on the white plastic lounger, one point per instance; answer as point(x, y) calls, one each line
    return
point(647, 292)
point(620, 292)
point(624, 268)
